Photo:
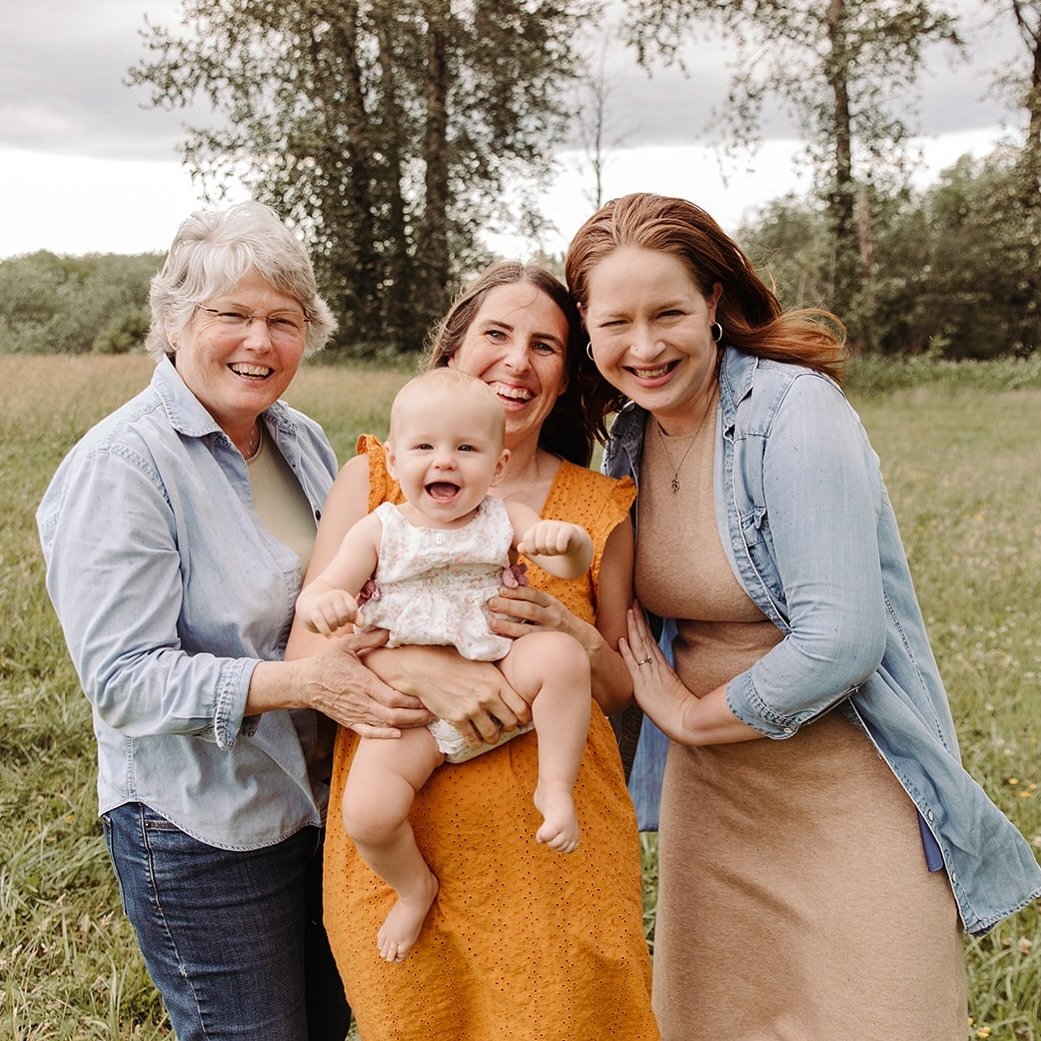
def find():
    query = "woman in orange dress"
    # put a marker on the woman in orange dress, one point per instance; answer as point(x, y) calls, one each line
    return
point(521, 943)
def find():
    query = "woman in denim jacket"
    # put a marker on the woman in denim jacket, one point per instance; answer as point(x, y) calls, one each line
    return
point(814, 885)
point(176, 533)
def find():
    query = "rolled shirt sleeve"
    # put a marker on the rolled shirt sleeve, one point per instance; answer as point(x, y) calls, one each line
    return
point(115, 576)
point(815, 517)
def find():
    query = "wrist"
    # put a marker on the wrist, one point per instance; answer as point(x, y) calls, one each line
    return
point(588, 636)
point(276, 685)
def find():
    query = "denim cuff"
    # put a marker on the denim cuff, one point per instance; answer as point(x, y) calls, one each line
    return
point(745, 703)
point(228, 720)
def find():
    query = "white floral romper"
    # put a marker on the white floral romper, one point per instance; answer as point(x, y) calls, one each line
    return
point(432, 585)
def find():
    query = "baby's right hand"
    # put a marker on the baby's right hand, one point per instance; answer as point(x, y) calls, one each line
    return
point(327, 612)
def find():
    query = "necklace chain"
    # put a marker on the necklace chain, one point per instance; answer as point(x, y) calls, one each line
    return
point(254, 441)
point(675, 482)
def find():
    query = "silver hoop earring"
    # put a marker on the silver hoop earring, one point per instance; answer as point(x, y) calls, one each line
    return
point(589, 351)
point(717, 332)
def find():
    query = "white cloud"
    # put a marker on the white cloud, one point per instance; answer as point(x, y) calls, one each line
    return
point(84, 167)
point(69, 204)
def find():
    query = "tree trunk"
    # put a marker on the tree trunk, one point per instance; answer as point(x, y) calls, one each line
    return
point(1031, 35)
point(433, 258)
point(360, 303)
point(398, 328)
point(842, 199)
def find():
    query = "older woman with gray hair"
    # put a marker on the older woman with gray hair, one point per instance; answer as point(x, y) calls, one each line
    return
point(176, 533)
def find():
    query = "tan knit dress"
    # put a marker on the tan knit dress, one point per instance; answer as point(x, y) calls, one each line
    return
point(794, 903)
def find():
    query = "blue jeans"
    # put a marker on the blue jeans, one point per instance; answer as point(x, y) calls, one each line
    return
point(233, 939)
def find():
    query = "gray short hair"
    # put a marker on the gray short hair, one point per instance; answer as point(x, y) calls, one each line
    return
point(214, 250)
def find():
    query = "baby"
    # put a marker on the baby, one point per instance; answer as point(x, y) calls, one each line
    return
point(434, 561)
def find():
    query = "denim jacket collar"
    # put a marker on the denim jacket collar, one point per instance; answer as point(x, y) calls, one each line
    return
point(188, 415)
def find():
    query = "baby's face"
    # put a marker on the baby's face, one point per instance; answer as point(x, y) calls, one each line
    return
point(446, 453)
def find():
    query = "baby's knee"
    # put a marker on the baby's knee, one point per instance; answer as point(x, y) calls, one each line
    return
point(366, 822)
point(555, 656)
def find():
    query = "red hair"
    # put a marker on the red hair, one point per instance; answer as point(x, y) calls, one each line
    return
point(748, 311)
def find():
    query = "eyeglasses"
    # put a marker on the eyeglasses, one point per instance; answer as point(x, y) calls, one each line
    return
point(282, 326)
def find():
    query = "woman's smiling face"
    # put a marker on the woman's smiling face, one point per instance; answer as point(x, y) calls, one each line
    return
point(238, 373)
point(516, 344)
point(650, 329)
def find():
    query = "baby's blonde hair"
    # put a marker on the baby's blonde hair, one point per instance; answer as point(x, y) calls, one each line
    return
point(454, 383)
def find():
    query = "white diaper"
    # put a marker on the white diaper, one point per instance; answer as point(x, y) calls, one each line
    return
point(456, 750)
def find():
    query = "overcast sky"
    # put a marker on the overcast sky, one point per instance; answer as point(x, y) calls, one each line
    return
point(85, 167)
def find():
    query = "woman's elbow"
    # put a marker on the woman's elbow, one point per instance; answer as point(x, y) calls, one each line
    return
point(854, 653)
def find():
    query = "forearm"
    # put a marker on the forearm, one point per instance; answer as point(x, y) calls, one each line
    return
point(466, 693)
point(612, 685)
point(708, 721)
point(276, 685)
point(337, 683)
point(666, 700)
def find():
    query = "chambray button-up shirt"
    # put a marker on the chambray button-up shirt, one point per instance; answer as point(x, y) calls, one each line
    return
point(810, 533)
point(170, 591)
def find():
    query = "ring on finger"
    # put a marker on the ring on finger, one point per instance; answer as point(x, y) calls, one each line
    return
point(645, 661)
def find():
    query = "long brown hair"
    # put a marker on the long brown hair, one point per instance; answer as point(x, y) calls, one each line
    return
point(748, 311)
point(571, 426)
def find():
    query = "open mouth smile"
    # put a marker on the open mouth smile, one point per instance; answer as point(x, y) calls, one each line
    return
point(441, 491)
point(253, 372)
point(518, 395)
point(655, 373)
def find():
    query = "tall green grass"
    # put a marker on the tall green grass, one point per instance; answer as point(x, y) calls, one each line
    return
point(962, 464)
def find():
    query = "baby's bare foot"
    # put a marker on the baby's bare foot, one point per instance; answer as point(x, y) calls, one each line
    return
point(401, 928)
point(559, 828)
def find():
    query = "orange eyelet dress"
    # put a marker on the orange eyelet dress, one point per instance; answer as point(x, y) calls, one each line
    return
point(522, 943)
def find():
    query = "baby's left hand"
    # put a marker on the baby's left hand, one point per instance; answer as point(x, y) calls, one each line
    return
point(551, 538)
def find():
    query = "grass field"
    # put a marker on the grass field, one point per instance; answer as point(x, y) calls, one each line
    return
point(962, 464)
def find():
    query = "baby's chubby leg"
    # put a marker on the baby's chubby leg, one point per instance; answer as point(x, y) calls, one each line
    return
point(381, 787)
point(552, 672)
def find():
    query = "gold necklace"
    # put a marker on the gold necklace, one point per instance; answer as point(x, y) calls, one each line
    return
point(254, 442)
point(675, 483)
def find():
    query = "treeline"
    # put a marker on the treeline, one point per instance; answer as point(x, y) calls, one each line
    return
point(53, 304)
point(392, 133)
point(951, 271)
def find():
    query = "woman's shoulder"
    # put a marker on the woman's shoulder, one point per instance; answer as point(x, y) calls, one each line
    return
point(745, 372)
point(756, 390)
point(129, 436)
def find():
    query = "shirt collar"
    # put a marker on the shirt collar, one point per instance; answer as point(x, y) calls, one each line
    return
point(187, 414)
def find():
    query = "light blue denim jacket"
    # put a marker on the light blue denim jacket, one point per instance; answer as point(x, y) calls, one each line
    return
point(810, 533)
point(170, 591)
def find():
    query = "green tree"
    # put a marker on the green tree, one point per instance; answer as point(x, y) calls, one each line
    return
point(385, 129)
point(982, 280)
point(62, 304)
point(955, 265)
point(787, 240)
point(845, 69)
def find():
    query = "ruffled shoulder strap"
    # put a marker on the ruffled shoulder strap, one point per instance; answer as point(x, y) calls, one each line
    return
point(599, 504)
point(382, 487)
point(596, 502)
